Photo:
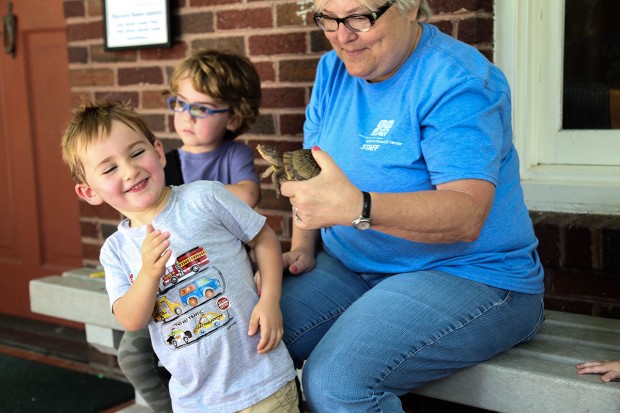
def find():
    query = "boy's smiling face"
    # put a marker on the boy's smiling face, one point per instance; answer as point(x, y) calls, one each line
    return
point(125, 171)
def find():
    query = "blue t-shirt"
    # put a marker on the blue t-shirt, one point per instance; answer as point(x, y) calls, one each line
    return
point(445, 115)
point(231, 163)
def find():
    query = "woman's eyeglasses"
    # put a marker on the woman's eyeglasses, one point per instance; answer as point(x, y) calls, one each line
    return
point(196, 110)
point(361, 22)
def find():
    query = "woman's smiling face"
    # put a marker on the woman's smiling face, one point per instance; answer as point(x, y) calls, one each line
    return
point(374, 55)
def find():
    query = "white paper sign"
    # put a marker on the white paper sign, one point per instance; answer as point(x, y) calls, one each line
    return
point(135, 23)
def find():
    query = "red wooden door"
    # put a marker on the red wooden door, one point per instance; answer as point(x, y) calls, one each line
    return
point(39, 217)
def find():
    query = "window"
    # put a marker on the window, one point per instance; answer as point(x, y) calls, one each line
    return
point(571, 170)
point(591, 69)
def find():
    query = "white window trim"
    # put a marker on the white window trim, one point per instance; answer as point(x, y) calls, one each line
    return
point(527, 38)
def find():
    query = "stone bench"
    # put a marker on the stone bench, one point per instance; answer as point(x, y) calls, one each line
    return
point(539, 376)
point(77, 296)
point(534, 377)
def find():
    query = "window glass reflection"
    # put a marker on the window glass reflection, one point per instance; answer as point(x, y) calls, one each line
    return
point(591, 65)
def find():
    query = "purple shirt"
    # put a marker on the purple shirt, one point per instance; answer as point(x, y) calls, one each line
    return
point(230, 163)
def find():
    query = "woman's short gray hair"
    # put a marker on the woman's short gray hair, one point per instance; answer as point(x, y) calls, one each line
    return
point(424, 11)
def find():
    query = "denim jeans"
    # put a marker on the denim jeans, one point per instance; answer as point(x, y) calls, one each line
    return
point(369, 338)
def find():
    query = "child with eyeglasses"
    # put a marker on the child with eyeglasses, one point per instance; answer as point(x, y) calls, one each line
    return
point(215, 97)
point(178, 265)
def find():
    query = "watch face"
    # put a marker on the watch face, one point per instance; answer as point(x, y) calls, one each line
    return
point(362, 225)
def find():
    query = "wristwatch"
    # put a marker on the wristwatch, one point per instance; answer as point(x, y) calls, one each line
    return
point(363, 221)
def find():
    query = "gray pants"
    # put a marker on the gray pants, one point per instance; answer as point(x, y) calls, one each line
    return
point(138, 362)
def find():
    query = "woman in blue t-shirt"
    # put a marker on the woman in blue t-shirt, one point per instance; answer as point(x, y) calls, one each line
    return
point(413, 253)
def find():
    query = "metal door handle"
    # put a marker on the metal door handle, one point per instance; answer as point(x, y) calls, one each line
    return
point(9, 28)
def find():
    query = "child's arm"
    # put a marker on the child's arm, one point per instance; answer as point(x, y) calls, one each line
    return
point(134, 309)
point(267, 314)
point(248, 191)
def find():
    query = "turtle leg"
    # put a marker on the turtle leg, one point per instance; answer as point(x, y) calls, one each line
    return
point(267, 172)
point(276, 178)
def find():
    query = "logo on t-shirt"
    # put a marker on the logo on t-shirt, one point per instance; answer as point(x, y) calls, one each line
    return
point(383, 127)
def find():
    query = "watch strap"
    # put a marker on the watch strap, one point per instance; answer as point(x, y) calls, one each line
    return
point(366, 207)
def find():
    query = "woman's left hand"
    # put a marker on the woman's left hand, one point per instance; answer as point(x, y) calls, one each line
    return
point(326, 200)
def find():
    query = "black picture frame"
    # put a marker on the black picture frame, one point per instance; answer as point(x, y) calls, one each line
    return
point(136, 24)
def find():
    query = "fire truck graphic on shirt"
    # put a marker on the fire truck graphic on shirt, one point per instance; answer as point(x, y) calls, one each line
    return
point(190, 261)
point(185, 304)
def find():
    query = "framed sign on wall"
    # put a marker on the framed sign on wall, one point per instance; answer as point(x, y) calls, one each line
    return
point(136, 24)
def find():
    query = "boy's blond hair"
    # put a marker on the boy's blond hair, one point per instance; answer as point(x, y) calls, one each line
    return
point(91, 122)
point(226, 76)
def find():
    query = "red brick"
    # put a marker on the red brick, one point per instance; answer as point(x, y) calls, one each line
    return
point(569, 305)
point(587, 283)
point(269, 200)
point(244, 19)
point(156, 123)
point(140, 75)
point(78, 54)
point(318, 42)
point(84, 31)
point(292, 124)
point(170, 144)
point(91, 77)
point(198, 3)
point(73, 8)
point(266, 71)
point(275, 222)
point(276, 44)
point(153, 99)
point(285, 97)
point(450, 6)
point(298, 70)
point(474, 31)
point(264, 125)
point(196, 23)
point(89, 229)
point(294, 14)
point(99, 55)
point(91, 251)
point(445, 26)
point(610, 241)
point(95, 7)
point(177, 52)
point(234, 44)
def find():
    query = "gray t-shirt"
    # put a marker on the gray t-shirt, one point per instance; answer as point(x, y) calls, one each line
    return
point(206, 296)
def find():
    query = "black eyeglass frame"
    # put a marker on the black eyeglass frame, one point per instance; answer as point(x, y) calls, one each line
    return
point(186, 106)
point(372, 18)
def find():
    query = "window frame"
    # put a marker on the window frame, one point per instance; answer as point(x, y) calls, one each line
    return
point(563, 171)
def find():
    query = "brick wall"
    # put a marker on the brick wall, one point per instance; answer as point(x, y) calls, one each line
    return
point(283, 42)
point(581, 256)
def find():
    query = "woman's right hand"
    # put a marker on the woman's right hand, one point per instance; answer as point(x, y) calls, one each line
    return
point(298, 260)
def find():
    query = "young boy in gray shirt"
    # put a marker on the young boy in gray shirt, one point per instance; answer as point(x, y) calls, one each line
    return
point(178, 264)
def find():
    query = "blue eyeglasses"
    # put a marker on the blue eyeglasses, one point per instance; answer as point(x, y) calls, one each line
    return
point(196, 110)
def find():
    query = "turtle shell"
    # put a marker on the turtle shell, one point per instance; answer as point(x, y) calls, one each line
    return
point(299, 165)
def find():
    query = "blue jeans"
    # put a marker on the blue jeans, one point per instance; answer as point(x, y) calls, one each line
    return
point(369, 338)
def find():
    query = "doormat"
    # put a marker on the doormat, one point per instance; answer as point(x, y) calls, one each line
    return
point(27, 386)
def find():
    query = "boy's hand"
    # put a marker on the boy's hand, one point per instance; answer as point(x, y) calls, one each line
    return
point(155, 253)
point(268, 317)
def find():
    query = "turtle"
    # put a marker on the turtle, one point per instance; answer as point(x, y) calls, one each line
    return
point(296, 165)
